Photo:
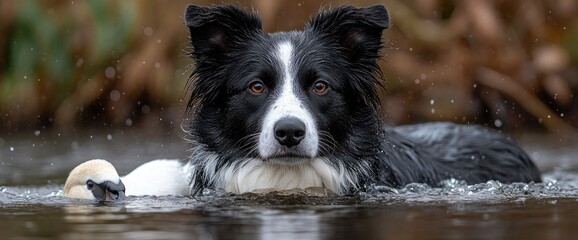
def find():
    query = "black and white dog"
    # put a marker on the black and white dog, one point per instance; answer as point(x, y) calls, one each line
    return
point(299, 109)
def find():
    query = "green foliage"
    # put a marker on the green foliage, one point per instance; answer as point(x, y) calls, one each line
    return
point(41, 45)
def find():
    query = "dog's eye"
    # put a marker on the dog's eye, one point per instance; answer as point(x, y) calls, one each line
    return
point(320, 87)
point(257, 87)
point(90, 184)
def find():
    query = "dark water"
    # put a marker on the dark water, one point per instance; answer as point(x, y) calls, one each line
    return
point(33, 168)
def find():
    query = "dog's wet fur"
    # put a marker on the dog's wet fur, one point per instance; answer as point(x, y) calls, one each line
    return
point(299, 109)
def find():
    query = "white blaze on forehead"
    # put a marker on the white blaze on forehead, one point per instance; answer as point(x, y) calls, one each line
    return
point(285, 54)
point(287, 104)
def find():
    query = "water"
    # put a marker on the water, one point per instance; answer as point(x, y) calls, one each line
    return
point(33, 169)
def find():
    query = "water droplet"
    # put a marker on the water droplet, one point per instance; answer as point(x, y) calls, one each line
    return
point(37, 132)
point(11, 149)
point(431, 102)
point(416, 81)
point(148, 31)
point(114, 95)
point(498, 123)
point(157, 65)
point(109, 72)
point(145, 109)
point(79, 62)
point(128, 122)
point(74, 145)
point(109, 137)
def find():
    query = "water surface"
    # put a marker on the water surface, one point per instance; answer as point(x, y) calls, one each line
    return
point(33, 168)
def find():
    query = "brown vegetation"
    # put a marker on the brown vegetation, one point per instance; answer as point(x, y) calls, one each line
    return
point(507, 64)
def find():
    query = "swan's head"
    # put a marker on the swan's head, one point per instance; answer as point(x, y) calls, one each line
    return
point(94, 179)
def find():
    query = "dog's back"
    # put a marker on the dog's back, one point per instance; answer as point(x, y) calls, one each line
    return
point(466, 152)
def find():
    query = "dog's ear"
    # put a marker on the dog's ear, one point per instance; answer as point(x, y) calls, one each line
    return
point(218, 30)
point(357, 30)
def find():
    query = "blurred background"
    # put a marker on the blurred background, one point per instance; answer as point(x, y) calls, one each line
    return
point(78, 65)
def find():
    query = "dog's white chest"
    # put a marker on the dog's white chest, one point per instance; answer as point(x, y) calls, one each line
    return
point(259, 175)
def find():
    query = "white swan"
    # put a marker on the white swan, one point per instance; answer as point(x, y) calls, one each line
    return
point(94, 179)
point(98, 179)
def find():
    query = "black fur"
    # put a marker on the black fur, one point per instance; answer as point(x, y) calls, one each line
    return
point(341, 46)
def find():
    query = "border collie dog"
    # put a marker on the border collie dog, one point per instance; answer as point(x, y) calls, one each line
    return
point(299, 109)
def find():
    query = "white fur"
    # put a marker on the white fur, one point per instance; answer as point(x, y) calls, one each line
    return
point(287, 105)
point(249, 175)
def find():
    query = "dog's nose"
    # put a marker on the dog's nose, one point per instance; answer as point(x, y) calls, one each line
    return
point(289, 131)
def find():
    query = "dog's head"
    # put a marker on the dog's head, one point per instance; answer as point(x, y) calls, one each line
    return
point(288, 96)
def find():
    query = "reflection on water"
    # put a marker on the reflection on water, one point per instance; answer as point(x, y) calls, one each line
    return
point(32, 207)
point(117, 222)
point(160, 218)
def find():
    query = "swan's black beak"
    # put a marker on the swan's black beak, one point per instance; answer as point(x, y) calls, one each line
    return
point(109, 191)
